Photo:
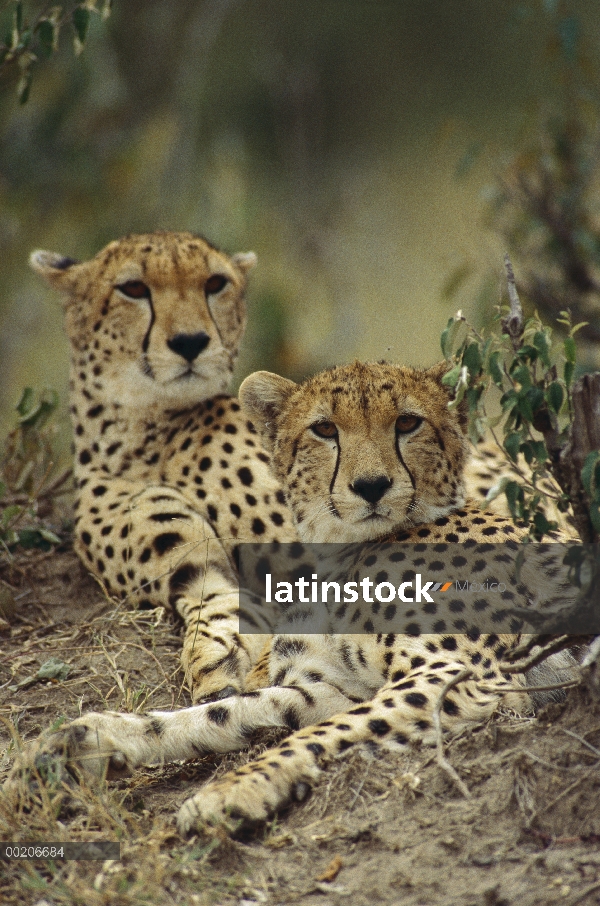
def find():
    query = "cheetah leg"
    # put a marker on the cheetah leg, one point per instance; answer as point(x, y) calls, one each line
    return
point(147, 545)
point(394, 718)
point(113, 744)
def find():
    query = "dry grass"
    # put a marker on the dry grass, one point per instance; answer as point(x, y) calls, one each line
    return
point(395, 828)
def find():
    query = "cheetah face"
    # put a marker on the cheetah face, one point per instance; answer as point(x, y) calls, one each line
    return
point(361, 450)
point(154, 318)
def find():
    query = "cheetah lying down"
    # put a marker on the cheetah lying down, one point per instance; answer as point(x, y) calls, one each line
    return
point(168, 470)
point(362, 452)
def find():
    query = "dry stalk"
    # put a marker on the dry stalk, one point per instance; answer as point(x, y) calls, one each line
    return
point(534, 656)
point(513, 323)
point(437, 725)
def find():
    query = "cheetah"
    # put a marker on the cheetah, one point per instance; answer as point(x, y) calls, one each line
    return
point(168, 470)
point(362, 452)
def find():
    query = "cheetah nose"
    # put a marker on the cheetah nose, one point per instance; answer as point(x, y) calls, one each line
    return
point(189, 345)
point(371, 489)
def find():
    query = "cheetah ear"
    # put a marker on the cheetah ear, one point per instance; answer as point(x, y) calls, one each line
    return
point(57, 270)
point(263, 396)
point(244, 261)
point(437, 372)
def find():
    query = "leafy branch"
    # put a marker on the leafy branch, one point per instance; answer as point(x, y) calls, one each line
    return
point(32, 36)
point(553, 423)
point(26, 470)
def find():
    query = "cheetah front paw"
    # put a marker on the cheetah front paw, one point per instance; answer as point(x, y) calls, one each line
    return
point(245, 797)
point(89, 747)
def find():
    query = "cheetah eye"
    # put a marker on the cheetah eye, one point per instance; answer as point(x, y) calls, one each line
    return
point(324, 429)
point(134, 289)
point(407, 423)
point(215, 284)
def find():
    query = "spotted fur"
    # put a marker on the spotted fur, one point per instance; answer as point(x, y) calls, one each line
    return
point(362, 452)
point(168, 470)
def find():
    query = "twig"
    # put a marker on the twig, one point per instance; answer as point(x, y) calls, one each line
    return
point(557, 644)
point(584, 438)
point(583, 895)
point(359, 790)
point(583, 741)
point(513, 323)
point(437, 725)
point(566, 685)
point(49, 491)
point(547, 764)
point(561, 795)
point(592, 653)
point(549, 839)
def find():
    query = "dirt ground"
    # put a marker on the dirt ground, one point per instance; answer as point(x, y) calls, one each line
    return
point(394, 830)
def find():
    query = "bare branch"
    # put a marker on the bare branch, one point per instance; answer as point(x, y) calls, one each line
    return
point(513, 323)
point(437, 724)
point(584, 437)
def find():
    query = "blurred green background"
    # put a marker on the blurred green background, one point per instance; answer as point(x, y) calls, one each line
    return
point(355, 145)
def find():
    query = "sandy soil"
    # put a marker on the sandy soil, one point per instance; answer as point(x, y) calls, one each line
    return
point(391, 830)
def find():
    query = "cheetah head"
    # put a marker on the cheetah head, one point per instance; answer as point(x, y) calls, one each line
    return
point(361, 450)
point(152, 319)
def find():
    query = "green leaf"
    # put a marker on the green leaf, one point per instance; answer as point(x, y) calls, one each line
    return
point(509, 400)
point(542, 526)
point(473, 397)
point(36, 412)
point(472, 359)
point(25, 38)
point(468, 159)
point(31, 537)
point(595, 516)
point(577, 327)
point(569, 31)
point(9, 537)
point(451, 377)
point(53, 669)
point(524, 407)
point(511, 445)
point(570, 350)
point(9, 513)
point(495, 369)
point(496, 489)
point(46, 36)
point(454, 328)
point(535, 395)
point(456, 280)
point(540, 452)
point(486, 350)
point(589, 473)
point(527, 451)
point(445, 339)
point(555, 396)
point(81, 21)
point(527, 352)
point(19, 15)
point(515, 498)
point(49, 536)
point(522, 375)
point(459, 395)
point(540, 341)
point(568, 373)
point(24, 84)
point(26, 402)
